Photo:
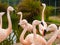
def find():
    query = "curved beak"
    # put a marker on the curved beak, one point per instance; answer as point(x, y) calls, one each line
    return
point(18, 26)
point(42, 30)
point(45, 32)
point(14, 11)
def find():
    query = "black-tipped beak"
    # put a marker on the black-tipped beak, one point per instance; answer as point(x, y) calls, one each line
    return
point(14, 11)
point(45, 32)
point(18, 26)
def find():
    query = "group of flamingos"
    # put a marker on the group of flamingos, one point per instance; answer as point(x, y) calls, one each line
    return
point(33, 38)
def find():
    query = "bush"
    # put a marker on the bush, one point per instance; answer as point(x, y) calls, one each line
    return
point(49, 11)
point(3, 7)
point(30, 8)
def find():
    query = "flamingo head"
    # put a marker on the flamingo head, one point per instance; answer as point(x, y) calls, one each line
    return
point(43, 4)
point(43, 27)
point(23, 23)
point(19, 13)
point(10, 8)
point(36, 22)
point(52, 28)
point(2, 13)
point(42, 30)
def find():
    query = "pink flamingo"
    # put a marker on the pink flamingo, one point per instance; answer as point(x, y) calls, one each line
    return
point(53, 38)
point(35, 39)
point(56, 31)
point(4, 33)
point(1, 14)
point(26, 26)
point(23, 21)
point(29, 40)
point(43, 24)
point(38, 40)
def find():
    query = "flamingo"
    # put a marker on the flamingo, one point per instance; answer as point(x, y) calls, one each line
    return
point(23, 21)
point(56, 31)
point(35, 39)
point(26, 26)
point(4, 33)
point(52, 28)
point(29, 40)
point(39, 40)
point(1, 14)
point(53, 38)
point(43, 24)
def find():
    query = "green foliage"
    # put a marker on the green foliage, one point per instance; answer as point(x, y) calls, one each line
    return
point(3, 7)
point(30, 8)
point(49, 11)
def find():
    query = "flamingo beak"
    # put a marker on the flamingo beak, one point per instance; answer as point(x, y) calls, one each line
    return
point(18, 25)
point(14, 11)
point(45, 32)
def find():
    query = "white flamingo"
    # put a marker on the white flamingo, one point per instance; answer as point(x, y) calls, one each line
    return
point(1, 14)
point(4, 33)
point(23, 21)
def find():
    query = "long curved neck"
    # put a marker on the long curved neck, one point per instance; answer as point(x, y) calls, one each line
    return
point(53, 38)
point(0, 21)
point(34, 30)
point(43, 13)
point(20, 17)
point(22, 36)
point(9, 29)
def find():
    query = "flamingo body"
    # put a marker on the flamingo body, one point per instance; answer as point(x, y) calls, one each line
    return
point(4, 33)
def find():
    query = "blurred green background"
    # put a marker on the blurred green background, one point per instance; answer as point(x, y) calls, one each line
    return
point(32, 10)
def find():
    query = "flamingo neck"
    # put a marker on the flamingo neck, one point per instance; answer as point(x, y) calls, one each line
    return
point(22, 36)
point(0, 21)
point(34, 31)
point(21, 18)
point(43, 14)
point(53, 38)
point(9, 29)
